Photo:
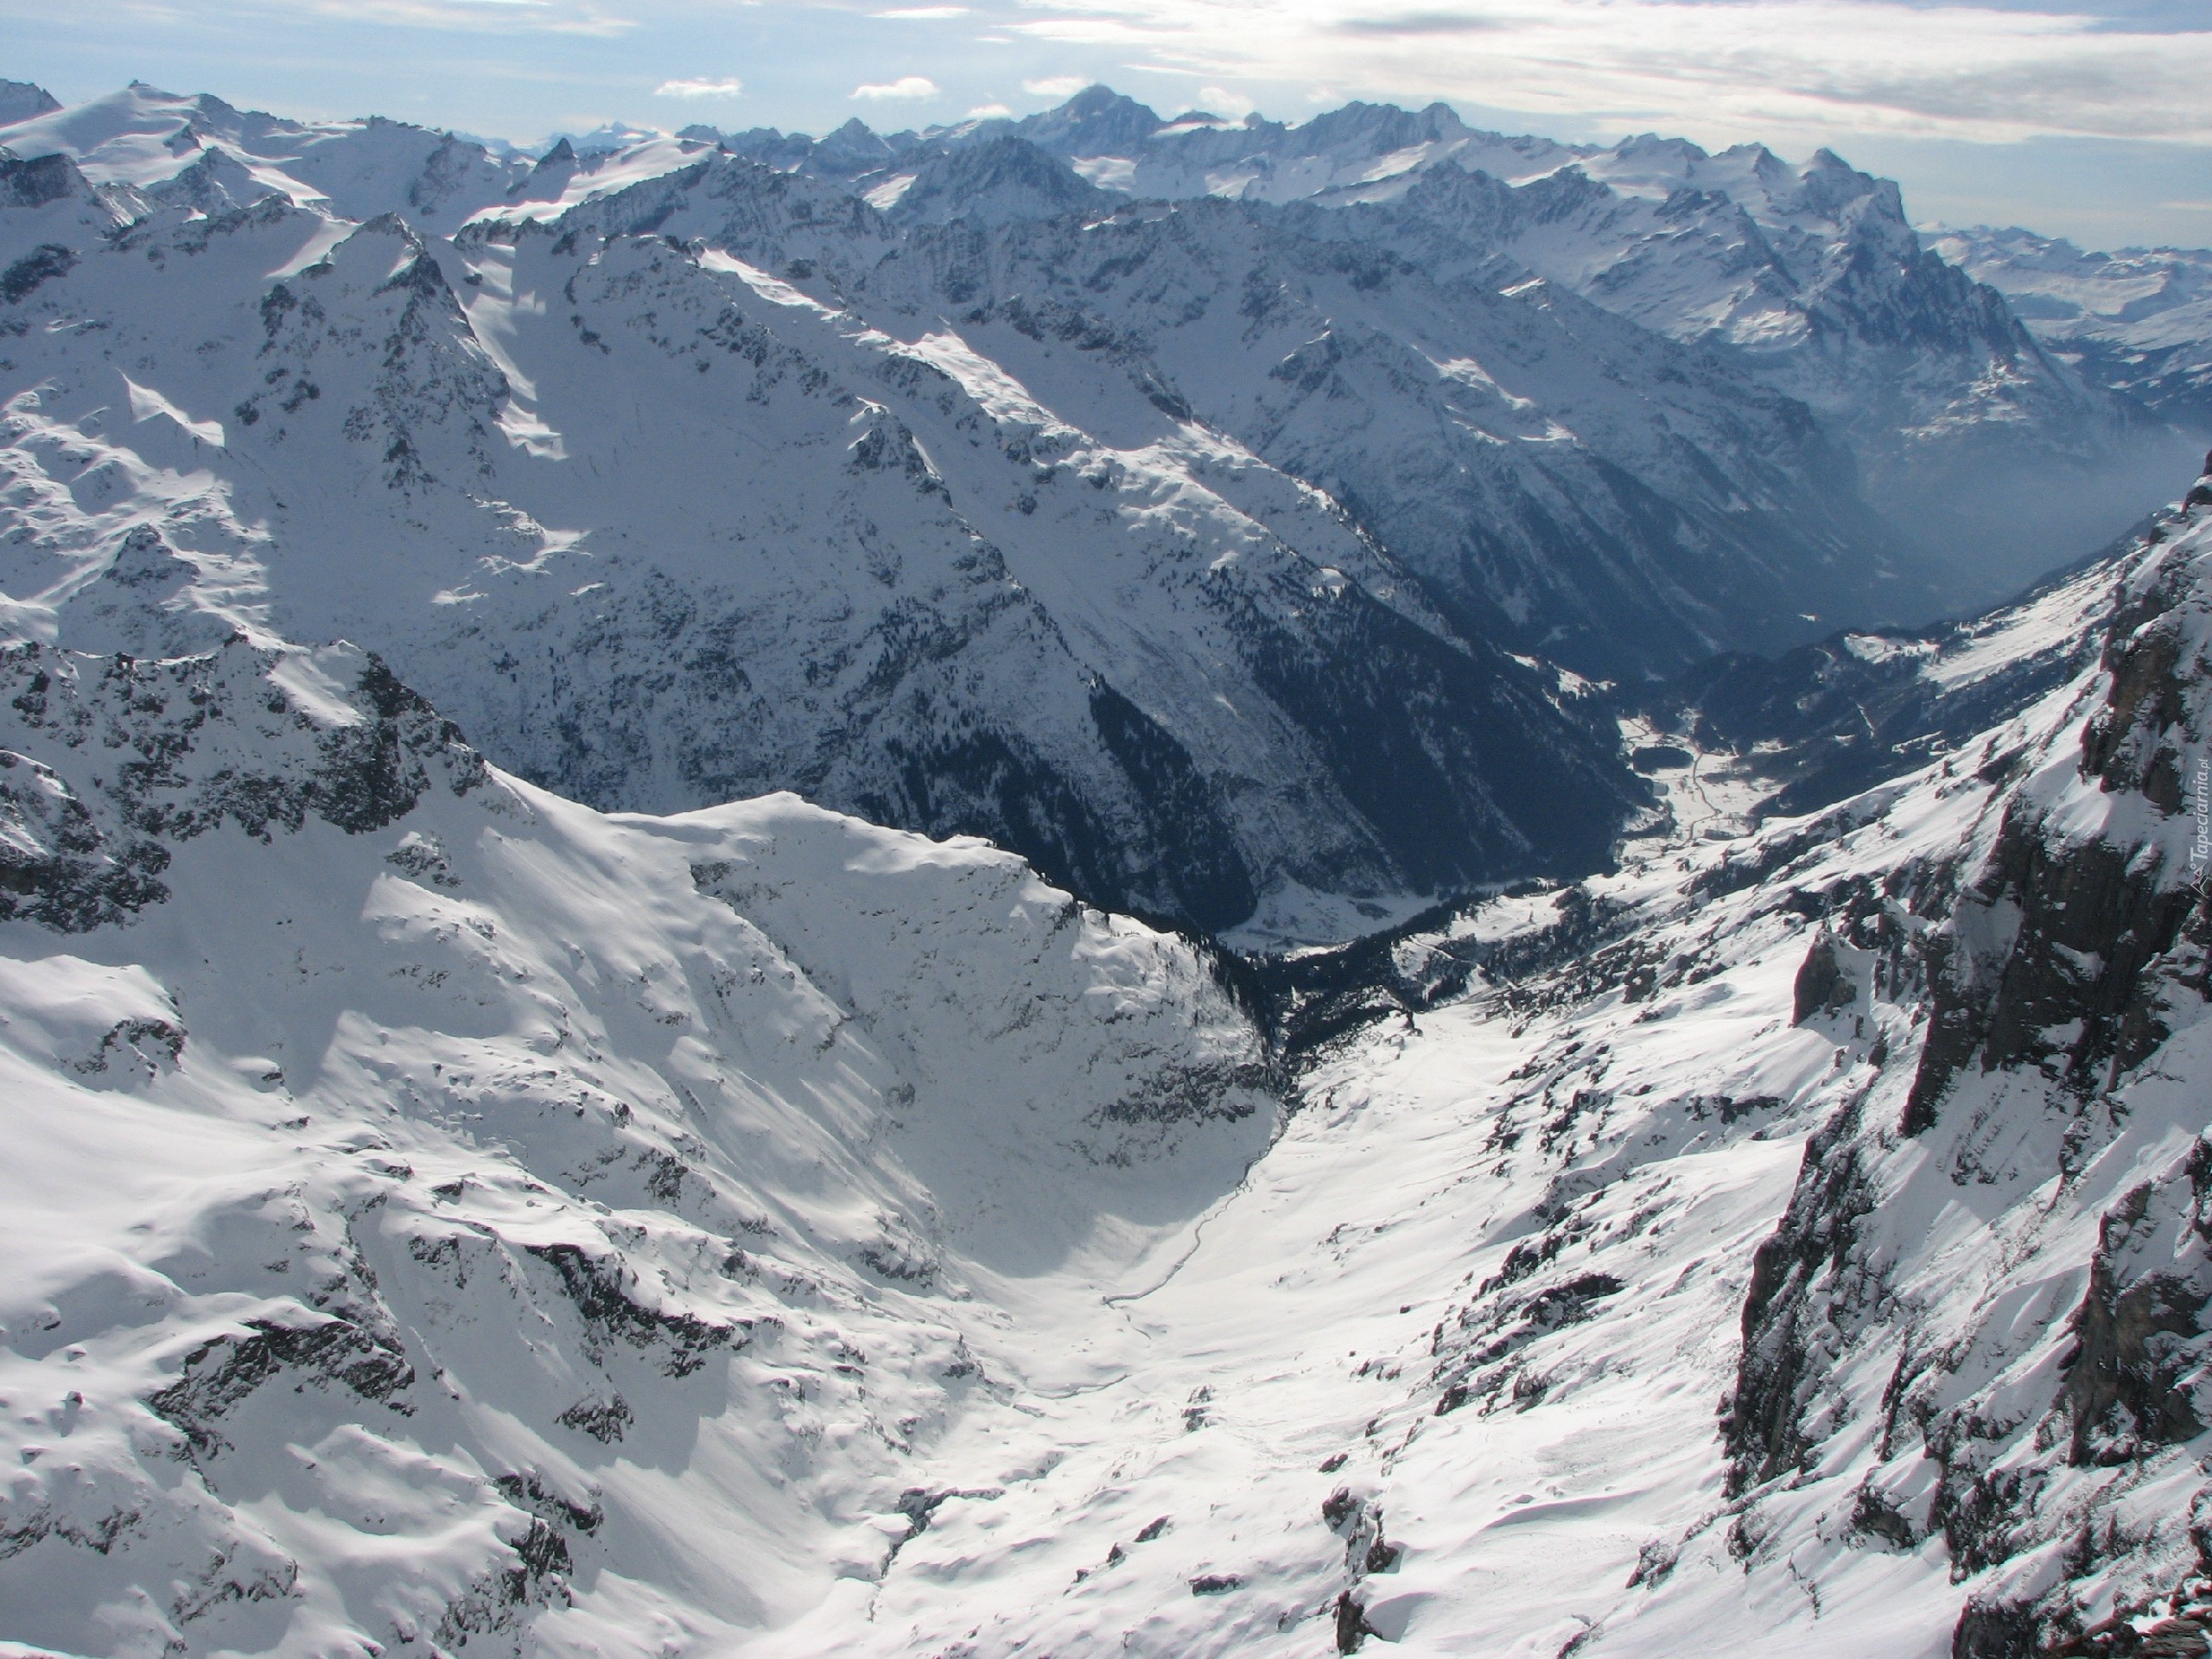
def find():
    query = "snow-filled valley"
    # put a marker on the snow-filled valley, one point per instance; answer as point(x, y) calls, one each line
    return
point(439, 1210)
point(1631, 1129)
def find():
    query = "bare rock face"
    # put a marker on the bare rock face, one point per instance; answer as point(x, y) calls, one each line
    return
point(2132, 1383)
point(2064, 950)
point(1824, 984)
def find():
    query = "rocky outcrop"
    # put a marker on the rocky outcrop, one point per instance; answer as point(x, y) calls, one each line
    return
point(2134, 1379)
point(258, 739)
point(2058, 1081)
point(2064, 953)
point(217, 1375)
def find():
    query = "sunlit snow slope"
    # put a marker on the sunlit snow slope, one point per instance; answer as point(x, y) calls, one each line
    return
point(439, 1211)
point(435, 1212)
point(635, 488)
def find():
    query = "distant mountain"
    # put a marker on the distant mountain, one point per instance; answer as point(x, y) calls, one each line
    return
point(19, 101)
point(1559, 480)
point(796, 550)
point(1811, 277)
point(2139, 319)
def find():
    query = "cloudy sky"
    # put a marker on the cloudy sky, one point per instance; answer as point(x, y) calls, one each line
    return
point(2091, 119)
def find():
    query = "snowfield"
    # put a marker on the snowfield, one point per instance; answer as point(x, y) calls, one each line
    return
point(562, 1162)
point(1720, 1164)
point(444, 1210)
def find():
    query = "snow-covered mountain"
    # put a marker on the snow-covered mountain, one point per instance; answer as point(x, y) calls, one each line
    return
point(390, 1242)
point(1210, 553)
point(663, 529)
point(1809, 277)
point(1496, 443)
point(2139, 319)
point(488, 1172)
point(749, 1230)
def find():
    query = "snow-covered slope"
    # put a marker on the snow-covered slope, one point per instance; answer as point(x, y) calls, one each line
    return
point(662, 529)
point(1812, 278)
point(624, 1232)
point(1982, 1318)
point(751, 1231)
point(1829, 720)
point(438, 1214)
point(676, 477)
point(2139, 319)
point(442, 1215)
point(168, 146)
point(1515, 451)
point(1810, 275)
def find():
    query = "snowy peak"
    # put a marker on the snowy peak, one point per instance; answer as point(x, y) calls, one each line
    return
point(49, 214)
point(215, 180)
point(973, 577)
point(1360, 147)
point(855, 147)
point(142, 134)
point(41, 179)
point(21, 100)
point(2139, 319)
point(991, 183)
point(1810, 275)
point(1376, 410)
point(145, 138)
point(1097, 121)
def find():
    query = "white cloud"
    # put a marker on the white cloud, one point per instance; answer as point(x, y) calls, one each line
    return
point(988, 112)
point(534, 16)
point(1827, 69)
point(1056, 85)
point(729, 88)
point(1222, 101)
point(904, 86)
point(922, 14)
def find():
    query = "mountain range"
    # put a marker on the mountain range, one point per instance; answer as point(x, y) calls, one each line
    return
point(580, 731)
point(1240, 551)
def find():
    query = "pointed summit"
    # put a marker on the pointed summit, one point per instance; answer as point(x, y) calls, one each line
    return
point(21, 100)
point(999, 180)
point(855, 147)
point(1097, 121)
